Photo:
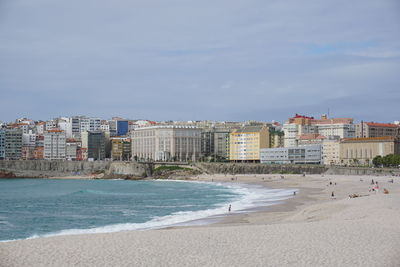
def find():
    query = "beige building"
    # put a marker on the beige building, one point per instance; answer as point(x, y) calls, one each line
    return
point(310, 139)
point(361, 151)
point(331, 150)
point(245, 143)
point(166, 143)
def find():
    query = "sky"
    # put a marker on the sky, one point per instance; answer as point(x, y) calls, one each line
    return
point(232, 60)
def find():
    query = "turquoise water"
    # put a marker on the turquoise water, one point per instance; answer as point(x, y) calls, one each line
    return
point(40, 207)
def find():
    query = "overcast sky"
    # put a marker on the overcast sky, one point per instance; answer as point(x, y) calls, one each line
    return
point(194, 60)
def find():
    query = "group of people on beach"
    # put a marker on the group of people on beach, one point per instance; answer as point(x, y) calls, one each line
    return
point(375, 186)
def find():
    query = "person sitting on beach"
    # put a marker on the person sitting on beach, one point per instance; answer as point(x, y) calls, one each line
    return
point(385, 191)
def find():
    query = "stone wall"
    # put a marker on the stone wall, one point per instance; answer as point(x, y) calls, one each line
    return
point(45, 168)
point(257, 168)
point(362, 171)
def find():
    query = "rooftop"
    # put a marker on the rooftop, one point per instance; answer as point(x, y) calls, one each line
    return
point(377, 124)
point(368, 139)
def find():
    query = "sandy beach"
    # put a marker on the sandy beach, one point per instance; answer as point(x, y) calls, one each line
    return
point(310, 229)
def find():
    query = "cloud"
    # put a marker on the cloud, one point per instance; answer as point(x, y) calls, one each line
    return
point(222, 60)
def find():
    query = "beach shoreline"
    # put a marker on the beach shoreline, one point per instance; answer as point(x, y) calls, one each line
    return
point(328, 227)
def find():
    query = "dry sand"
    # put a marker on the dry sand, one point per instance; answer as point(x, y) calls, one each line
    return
point(309, 230)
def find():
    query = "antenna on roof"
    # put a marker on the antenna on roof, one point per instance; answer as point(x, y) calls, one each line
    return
point(329, 115)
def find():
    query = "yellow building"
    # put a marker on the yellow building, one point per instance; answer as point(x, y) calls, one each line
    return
point(361, 151)
point(245, 143)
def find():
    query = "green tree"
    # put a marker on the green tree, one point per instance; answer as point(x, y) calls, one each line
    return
point(377, 161)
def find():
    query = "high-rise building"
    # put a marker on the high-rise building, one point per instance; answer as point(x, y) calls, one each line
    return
point(2, 144)
point(71, 149)
point(214, 142)
point(89, 124)
point(122, 127)
point(245, 143)
point(28, 145)
point(94, 143)
point(13, 143)
point(54, 145)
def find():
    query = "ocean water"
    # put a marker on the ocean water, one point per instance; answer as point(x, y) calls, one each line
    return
point(31, 208)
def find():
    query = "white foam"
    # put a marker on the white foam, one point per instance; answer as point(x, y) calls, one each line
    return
point(249, 196)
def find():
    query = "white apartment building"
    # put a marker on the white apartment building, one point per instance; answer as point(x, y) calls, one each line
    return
point(89, 124)
point(293, 131)
point(51, 124)
point(71, 150)
point(66, 126)
point(343, 130)
point(54, 145)
point(40, 128)
point(299, 125)
point(105, 126)
point(166, 143)
point(29, 139)
point(309, 154)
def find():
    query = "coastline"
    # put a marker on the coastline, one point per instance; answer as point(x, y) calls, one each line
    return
point(274, 235)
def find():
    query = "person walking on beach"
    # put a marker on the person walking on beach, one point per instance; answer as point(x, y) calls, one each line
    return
point(229, 208)
point(333, 195)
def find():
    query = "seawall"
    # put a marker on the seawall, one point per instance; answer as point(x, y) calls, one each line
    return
point(257, 168)
point(45, 168)
point(116, 169)
point(338, 170)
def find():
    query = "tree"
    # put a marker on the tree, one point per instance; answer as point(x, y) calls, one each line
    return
point(377, 161)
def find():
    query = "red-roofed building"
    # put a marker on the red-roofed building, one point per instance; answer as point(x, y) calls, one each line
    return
point(375, 129)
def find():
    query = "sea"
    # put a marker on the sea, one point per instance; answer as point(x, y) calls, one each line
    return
point(32, 208)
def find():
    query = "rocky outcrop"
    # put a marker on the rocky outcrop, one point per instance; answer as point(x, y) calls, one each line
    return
point(6, 174)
